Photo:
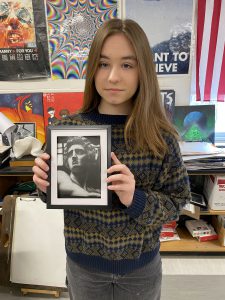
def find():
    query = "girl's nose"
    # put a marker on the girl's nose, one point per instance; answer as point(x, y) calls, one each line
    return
point(114, 75)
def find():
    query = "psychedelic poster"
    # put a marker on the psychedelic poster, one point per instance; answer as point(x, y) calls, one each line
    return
point(26, 107)
point(168, 25)
point(23, 43)
point(58, 106)
point(195, 123)
point(72, 26)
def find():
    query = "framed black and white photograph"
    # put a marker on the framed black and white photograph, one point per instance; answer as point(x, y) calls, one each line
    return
point(24, 129)
point(80, 157)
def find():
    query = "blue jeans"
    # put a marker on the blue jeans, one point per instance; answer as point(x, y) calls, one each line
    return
point(142, 284)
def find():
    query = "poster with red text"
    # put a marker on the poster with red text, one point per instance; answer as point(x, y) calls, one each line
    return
point(58, 106)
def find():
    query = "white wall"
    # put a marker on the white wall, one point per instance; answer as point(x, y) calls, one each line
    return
point(181, 85)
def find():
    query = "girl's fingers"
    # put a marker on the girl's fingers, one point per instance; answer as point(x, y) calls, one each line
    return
point(118, 187)
point(39, 172)
point(118, 177)
point(115, 159)
point(44, 156)
point(39, 162)
point(119, 168)
point(40, 182)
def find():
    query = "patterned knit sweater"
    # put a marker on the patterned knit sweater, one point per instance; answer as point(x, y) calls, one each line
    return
point(122, 239)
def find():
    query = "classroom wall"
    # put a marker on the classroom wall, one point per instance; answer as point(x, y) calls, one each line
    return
point(180, 83)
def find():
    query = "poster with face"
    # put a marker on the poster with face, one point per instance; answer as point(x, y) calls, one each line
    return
point(23, 43)
point(17, 24)
point(58, 106)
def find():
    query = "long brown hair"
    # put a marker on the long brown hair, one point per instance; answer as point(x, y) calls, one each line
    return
point(147, 120)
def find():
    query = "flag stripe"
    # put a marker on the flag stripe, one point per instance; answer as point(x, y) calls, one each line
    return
point(221, 89)
point(200, 28)
point(210, 56)
point(205, 46)
point(212, 49)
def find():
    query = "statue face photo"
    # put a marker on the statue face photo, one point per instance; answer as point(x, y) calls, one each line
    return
point(77, 157)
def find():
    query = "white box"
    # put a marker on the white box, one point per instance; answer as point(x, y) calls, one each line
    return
point(198, 227)
point(214, 191)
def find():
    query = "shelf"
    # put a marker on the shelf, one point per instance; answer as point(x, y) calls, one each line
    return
point(211, 212)
point(207, 172)
point(190, 244)
point(16, 171)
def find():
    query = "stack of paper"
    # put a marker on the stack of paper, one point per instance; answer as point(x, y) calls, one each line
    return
point(202, 155)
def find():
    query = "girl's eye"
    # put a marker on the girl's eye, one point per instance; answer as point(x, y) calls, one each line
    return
point(127, 66)
point(103, 65)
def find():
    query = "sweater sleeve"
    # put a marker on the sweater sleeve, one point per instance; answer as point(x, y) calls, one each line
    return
point(164, 201)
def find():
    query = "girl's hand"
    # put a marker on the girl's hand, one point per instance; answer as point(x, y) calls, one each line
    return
point(40, 170)
point(122, 183)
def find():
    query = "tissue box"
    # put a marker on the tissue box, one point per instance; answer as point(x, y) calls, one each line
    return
point(214, 191)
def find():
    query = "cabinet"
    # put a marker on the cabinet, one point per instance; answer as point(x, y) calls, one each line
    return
point(189, 245)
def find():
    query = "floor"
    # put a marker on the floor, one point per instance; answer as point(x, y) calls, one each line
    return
point(195, 278)
point(185, 287)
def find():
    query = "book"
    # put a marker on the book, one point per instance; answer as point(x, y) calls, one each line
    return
point(25, 161)
point(208, 237)
point(198, 227)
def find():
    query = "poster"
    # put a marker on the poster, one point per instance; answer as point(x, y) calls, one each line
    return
point(168, 25)
point(195, 123)
point(58, 106)
point(168, 99)
point(72, 26)
point(23, 43)
point(24, 107)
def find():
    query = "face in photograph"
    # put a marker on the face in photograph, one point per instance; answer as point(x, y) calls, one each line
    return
point(77, 157)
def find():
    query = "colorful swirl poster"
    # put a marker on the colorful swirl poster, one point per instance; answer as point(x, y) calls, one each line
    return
point(23, 43)
point(72, 26)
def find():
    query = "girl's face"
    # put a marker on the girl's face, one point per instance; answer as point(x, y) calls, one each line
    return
point(117, 79)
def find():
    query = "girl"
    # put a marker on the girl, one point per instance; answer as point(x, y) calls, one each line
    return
point(114, 254)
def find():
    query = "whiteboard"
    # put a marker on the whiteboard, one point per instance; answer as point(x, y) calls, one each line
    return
point(38, 249)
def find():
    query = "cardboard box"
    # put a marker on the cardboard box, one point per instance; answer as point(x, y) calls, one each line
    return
point(214, 191)
point(220, 229)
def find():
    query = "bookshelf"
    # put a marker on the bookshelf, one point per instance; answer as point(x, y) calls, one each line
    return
point(10, 176)
point(188, 244)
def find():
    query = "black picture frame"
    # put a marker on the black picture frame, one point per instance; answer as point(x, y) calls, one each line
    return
point(198, 199)
point(80, 157)
point(24, 129)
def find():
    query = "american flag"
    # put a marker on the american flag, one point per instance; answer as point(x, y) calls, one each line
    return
point(209, 66)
